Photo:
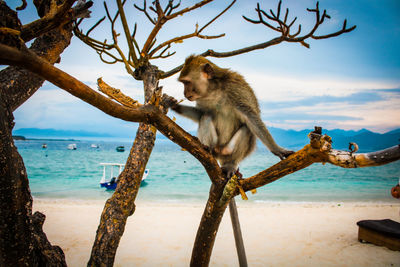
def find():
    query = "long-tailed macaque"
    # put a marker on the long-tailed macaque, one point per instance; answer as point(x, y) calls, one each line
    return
point(226, 110)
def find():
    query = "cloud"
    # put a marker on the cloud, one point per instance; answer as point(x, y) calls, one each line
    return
point(380, 115)
point(291, 87)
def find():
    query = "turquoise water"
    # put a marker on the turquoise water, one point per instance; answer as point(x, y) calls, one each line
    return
point(176, 176)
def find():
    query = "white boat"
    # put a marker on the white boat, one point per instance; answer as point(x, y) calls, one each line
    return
point(110, 182)
point(72, 147)
point(94, 146)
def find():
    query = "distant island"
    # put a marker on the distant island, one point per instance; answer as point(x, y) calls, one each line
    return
point(23, 138)
point(19, 137)
point(365, 139)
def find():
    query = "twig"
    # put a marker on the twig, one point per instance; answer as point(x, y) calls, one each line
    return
point(22, 6)
point(196, 33)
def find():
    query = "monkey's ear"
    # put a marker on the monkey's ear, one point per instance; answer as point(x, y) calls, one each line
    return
point(208, 69)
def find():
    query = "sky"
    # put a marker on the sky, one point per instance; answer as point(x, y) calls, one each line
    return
point(349, 82)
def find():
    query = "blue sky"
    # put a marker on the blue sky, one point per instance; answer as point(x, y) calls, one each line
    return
point(348, 82)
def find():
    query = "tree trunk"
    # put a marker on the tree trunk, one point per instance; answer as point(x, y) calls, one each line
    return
point(122, 203)
point(22, 241)
point(208, 227)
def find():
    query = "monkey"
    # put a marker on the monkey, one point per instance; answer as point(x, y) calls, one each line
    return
point(226, 110)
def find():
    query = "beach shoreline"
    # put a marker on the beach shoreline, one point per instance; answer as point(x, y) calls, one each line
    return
point(275, 234)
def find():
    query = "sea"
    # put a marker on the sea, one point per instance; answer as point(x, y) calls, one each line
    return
point(175, 176)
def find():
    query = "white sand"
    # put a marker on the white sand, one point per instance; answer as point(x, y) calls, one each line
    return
point(302, 234)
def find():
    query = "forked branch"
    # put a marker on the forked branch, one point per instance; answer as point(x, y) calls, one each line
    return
point(283, 25)
point(197, 33)
point(109, 53)
point(57, 15)
point(164, 15)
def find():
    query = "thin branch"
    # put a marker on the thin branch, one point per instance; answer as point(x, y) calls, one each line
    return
point(95, 25)
point(216, 17)
point(180, 40)
point(103, 47)
point(57, 16)
point(22, 6)
point(282, 27)
point(196, 33)
point(188, 9)
point(129, 39)
point(162, 18)
point(152, 20)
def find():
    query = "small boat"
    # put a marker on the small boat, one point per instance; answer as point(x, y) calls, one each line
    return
point(94, 146)
point(120, 149)
point(72, 147)
point(110, 182)
point(44, 146)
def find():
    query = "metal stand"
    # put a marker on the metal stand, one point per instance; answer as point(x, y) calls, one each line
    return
point(237, 233)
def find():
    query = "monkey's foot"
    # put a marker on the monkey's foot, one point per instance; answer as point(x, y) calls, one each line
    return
point(229, 172)
point(283, 154)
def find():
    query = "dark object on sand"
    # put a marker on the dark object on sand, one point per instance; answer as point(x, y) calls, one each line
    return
point(380, 232)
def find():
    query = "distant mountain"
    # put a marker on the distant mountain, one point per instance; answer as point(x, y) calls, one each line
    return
point(35, 133)
point(365, 139)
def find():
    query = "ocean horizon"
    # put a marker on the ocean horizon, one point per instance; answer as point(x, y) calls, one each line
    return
point(175, 176)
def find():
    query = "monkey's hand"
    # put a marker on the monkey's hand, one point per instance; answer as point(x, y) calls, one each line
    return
point(283, 153)
point(169, 102)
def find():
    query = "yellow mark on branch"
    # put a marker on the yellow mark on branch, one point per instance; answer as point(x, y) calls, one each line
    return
point(117, 95)
point(5, 30)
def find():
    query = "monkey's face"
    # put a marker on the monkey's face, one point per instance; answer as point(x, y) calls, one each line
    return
point(195, 85)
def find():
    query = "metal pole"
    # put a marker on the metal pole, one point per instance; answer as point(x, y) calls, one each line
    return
point(237, 233)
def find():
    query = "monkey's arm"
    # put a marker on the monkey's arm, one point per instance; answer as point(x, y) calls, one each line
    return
point(189, 112)
point(257, 127)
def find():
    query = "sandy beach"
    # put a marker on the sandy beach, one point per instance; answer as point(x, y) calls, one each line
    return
point(275, 234)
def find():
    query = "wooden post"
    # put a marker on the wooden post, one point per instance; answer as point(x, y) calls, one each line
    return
point(237, 233)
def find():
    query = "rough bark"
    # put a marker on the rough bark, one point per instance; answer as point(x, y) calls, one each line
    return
point(208, 227)
point(22, 241)
point(15, 199)
point(122, 203)
point(19, 84)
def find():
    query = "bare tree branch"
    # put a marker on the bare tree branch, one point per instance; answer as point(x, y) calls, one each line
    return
point(188, 9)
point(129, 39)
point(57, 16)
point(22, 6)
point(282, 27)
point(144, 10)
point(320, 150)
point(196, 33)
point(104, 47)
